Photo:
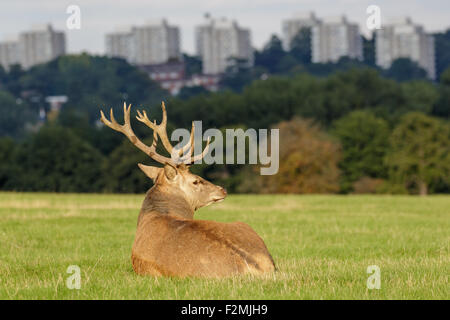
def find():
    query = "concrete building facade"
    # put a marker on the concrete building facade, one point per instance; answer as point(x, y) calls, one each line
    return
point(401, 38)
point(120, 44)
point(219, 42)
point(292, 26)
point(333, 38)
point(9, 53)
point(155, 42)
point(36, 46)
point(40, 45)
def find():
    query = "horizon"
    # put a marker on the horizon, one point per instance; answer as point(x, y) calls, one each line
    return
point(263, 20)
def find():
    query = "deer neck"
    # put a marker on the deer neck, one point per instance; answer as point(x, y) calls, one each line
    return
point(162, 200)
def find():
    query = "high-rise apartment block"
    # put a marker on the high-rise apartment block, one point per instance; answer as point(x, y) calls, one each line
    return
point(402, 39)
point(39, 45)
point(9, 53)
point(292, 26)
point(120, 44)
point(333, 38)
point(221, 43)
point(155, 42)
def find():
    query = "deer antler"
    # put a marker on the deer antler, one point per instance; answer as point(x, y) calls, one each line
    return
point(128, 132)
point(161, 129)
point(188, 158)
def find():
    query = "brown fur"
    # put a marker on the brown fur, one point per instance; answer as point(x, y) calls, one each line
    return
point(170, 243)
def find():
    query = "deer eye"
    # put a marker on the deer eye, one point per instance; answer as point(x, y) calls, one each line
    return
point(195, 182)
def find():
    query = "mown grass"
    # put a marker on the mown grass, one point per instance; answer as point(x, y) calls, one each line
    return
point(322, 246)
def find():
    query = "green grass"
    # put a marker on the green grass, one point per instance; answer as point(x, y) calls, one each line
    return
point(322, 246)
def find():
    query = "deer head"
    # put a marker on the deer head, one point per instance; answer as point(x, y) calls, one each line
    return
point(173, 182)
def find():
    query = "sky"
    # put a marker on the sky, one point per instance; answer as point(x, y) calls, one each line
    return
point(262, 17)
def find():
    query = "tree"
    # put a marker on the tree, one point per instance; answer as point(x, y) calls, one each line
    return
point(92, 82)
point(369, 50)
point(121, 172)
point(188, 92)
point(12, 81)
point(301, 46)
point(403, 69)
point(271, 54)
point(308, 160)
point(14, 115)
point(442, 106)
point(364, 140)
point(420, 152)
point(56, 160)
point(239, 74)
point(420, 95)
point(3, 77)
point(7, 149)
point(193, 65)
point(442, 45)
point(287, 65)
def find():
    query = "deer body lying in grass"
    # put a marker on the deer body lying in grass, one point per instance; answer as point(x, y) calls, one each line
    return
point(169, 242)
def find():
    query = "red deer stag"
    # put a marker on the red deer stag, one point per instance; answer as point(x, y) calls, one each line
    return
point(169, 242)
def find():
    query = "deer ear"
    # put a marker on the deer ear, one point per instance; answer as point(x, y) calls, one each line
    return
point(150, 171)
point(170, 172)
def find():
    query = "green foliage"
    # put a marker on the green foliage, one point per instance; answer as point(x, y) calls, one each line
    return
point(442, 105)
point(7, 149)
point(442, 49)
point(78, 122)
point(3, 76)
point(265, 102)
point(121, 172)
point(193, 65)
point(270, 56)
point(403, 69)
point(420, 96)
point(369, 50)
point(364, 140)
point(237, 78)
point(301, 46)
point(14, 115)
point(56, 160)
point(11, 81)
point(281, 86)
point(188, 92)
point(445, 77)
point(92, 83)
point(420, 152)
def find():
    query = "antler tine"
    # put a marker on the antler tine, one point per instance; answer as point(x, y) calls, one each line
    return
point(161, 128)
point(142, 117)
point(113, 120)
point(104, 120)
point(203, 154)
point(128, 132)
point(113, 123)
point(164, 114)
point(126, 113)
point(155, 139)
point(190, 145)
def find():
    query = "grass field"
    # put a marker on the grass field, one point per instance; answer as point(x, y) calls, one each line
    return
point(322, 246)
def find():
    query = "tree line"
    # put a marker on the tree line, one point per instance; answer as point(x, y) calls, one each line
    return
point(274, 59)
point(353, 130)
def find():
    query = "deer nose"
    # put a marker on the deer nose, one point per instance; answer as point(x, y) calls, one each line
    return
point(224, 190)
